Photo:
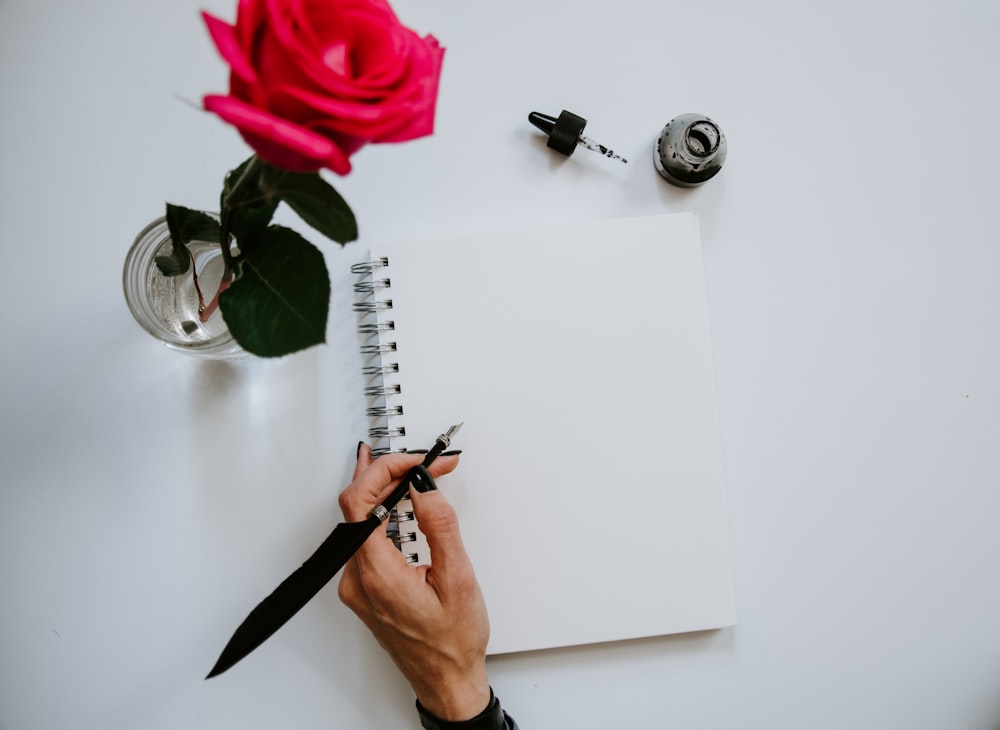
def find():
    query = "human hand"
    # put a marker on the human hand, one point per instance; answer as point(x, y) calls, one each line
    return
point(431, 620)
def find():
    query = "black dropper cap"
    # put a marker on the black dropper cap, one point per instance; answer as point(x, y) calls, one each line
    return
point(564, 132)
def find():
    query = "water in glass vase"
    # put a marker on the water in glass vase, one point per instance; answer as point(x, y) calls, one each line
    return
point(168, 307)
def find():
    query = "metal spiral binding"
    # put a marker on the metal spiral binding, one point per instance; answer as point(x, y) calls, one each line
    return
point(379, 411)
point(373, 391)
point(384, 432)
point(370, 287)
point(373, 328)
point(392, 367)
point(367, 267)
point(373, 304)
point(380, 305)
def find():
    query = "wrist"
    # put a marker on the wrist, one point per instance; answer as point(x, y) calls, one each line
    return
point(492, 717)
point(456, 701)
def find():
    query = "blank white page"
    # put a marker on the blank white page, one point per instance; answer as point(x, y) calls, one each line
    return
point(590, 489)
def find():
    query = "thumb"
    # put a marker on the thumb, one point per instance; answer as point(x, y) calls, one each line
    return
point(439, 523)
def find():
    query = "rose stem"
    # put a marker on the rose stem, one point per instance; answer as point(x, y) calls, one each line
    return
point(197, 286)
point(231, 201)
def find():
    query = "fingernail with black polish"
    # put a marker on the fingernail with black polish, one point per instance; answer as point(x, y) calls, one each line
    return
point(416, 451)
point(453, 452)
point(357, 454)
point(421, 479)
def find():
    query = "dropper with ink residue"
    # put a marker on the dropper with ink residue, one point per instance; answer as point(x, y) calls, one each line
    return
point(566, 132)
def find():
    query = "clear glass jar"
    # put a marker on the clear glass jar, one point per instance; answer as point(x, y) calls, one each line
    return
point(167, 306)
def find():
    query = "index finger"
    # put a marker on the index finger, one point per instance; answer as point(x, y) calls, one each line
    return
point(373, 482)
point(374, 479)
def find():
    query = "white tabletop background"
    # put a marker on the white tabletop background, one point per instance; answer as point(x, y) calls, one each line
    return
point(148, 499)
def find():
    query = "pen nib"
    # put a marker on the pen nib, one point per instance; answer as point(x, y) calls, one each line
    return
point(448, 435)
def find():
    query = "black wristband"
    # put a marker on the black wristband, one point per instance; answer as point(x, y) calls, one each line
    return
point(492, 718)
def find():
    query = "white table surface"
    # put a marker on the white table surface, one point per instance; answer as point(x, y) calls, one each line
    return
point(851, 253)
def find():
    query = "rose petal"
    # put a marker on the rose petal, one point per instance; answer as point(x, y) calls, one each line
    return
point(382, 53)
point(353, 36)
point(249, 16)
point(404, 114)
point(286, 50)
point(277, 141)
point(411, 59)
point(346, 143)
point(337, 58)
point(360, 119)
point(226, 41)
point(291, 27)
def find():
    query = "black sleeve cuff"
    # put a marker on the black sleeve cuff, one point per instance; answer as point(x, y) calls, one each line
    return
point(492, 718)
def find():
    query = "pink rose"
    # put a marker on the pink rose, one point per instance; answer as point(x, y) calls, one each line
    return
point(313, 81)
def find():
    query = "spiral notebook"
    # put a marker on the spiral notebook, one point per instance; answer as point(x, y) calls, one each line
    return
point(590, 489)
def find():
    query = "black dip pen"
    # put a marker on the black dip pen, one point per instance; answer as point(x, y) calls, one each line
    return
point(298, 588)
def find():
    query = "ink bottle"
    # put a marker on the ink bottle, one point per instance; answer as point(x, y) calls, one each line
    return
point(689, 150)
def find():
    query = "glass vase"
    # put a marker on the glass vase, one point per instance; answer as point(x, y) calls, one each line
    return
point(167, 307)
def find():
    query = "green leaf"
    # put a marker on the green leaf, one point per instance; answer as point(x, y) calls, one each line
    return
point(280, 302)
point(185, 225)
point(253, 214)
point(318, 204)
point(175, 263)
point(189, 225)
point(232, 177)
